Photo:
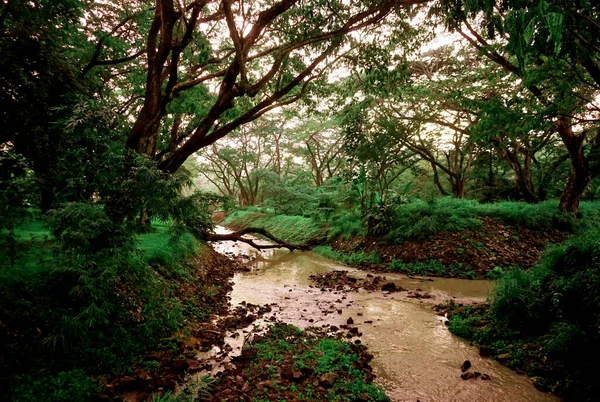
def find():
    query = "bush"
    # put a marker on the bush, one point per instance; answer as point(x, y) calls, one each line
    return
point(555, 306)
point(419, 220)
point(68, 386)
point(345, 225)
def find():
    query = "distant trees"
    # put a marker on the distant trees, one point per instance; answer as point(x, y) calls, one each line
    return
point(552, 47)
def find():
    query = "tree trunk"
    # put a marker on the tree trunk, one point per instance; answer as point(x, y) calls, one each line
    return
point(581, 174)
point(436, 181)
point(522, 173)
point(459, 187)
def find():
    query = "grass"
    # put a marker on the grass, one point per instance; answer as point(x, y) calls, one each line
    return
point(310, 352)
point(355, 258)
point(35, 248)
point(431, 268)
point(156, 294)
point(297, 230)
point(420, 219)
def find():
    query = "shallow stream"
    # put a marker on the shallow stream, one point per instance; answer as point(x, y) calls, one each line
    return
point(416, 356)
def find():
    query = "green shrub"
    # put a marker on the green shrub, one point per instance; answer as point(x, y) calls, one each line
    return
point(345, 225)
point(495, 273)
point(419, 220)
point(519, 298)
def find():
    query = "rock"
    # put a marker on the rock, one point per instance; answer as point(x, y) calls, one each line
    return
point(465, 366)
point(193, 366)
point(503, 357)
point(287, 374)
point(350, 321)
point(485, 377)
point(467, 376)
point(127, 382)
point(389, 287)
point(327, 380)
point(297, 375)
point(485, 351)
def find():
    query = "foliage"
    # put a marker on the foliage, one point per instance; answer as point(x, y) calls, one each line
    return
point(68, 386)
point(16, 190)
point(310, 351)
point(432, 268)
point(419, 219)
point(554, 307)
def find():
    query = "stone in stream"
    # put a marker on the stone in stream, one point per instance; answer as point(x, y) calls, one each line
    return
point(350, 321)
point(465, 366)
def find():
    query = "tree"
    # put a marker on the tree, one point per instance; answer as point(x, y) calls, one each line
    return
point(256, 58)
point(239, 166)
point(543, 38)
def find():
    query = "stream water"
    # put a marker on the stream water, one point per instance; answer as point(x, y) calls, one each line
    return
point(416, 356)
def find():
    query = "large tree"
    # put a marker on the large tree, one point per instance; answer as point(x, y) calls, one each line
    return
point(235, 60)
point(553, 48)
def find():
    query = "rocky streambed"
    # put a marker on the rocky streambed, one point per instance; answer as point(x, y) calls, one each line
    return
point(415, 357)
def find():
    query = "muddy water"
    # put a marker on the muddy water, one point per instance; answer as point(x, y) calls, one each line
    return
point(416, 357)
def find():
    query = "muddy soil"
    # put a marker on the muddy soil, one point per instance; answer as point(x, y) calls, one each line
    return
point(493, 244)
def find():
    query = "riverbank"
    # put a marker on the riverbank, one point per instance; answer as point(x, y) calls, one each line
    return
point(173, 290)
point(544, 321)
point(447, 238)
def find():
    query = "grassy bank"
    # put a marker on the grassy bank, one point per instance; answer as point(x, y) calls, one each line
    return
point(297, 230)
point(68, 321)
point(545, 321)
point(444, 237)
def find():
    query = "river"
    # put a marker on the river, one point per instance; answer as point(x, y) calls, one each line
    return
point(415, 355)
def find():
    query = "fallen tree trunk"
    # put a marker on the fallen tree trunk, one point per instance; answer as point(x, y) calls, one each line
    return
point(237, 236)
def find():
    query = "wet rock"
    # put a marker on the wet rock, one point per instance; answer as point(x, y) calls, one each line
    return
point(390, 287)
point(465, 366)
point(467, 376)
point(485, 377)
point(350, 321)
point(504, 357)
point(327, 380)
point(485, 351)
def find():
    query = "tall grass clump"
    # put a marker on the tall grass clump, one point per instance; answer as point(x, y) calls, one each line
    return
point(422, 219)
point(345, 225)
point(542, 216)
